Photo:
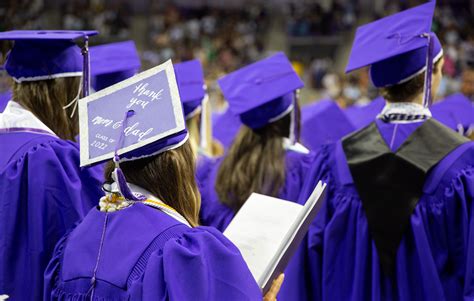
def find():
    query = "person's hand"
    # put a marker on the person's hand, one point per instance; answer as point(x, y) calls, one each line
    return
point(274, 289)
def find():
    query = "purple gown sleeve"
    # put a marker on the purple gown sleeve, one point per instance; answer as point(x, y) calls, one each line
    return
point(200, 265)
point(43, 193)
point(51, 273)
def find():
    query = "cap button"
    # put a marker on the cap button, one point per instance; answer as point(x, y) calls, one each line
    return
point(258, 81)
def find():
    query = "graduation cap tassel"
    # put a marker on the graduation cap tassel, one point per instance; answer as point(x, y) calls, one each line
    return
point(118, 175)
point(427, 100)
point(86, 67)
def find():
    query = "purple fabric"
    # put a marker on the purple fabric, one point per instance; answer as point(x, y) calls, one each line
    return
point(454, 111)
point(112, 63)
point(390, 37)
point(225, 127)
point(114, 57)
point(214, 213)
point(259, 83)
point(156, 122)
point(191, 85)
point(5, 97)
point(404, 65)
point(54, 52)
point(103, 81)
point(43, 192)
point(160, 259)
point(263, 114)
point(323, 122)
point(395, 134)
point(362, 116)
point(433, 261)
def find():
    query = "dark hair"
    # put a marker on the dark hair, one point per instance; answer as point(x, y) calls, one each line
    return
point(46, 98)
point(254, 163)
point(169, 176)
point(405, 92)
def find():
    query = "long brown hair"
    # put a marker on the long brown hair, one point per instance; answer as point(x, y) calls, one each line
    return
point(46, 98)
point(254, 163)
point(169, 176)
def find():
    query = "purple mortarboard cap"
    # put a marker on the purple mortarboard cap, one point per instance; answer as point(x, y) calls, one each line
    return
point(190, 78)
point(45, 54)
point(136, 118)
point(263, 91)
point(456, 112)
point(112, 63)
point(397, 47)
point(323, 122)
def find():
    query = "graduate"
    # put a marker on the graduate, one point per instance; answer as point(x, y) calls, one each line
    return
point(43, 192)
point(323, 122)
point(143, 241)
point(397, 223)
point(265, 156)
point(112, 63)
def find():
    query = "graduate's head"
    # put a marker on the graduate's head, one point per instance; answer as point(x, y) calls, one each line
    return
point(401, 51)
point(264, 96)
point(412, 89)
point(255, 162)
point(147, 140)
point(170, 176)
point(46, 99)
point(47, 67)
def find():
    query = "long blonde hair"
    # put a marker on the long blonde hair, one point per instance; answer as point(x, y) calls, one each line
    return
point(46, 99)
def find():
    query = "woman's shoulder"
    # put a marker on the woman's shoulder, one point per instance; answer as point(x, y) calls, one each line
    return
point(201, 264)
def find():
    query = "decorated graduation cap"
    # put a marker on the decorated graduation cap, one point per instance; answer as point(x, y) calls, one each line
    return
point(262, 92)
point(136, 118)
point(112, 63)
point(47, 54)
point(398, 47)
point(192, 90)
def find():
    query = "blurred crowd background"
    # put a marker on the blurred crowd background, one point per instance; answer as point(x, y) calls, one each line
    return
point(227, 34)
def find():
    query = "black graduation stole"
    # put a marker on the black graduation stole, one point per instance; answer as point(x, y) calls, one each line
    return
point(390, 183)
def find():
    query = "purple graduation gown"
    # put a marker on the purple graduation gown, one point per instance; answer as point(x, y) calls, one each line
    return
point(361, 116)
point(4, 99)
point(225, 127)
point(434, 260)
point(456, 112)
point(214, 213)
point(323, 122)
point(43, 192)
point(147, 255)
